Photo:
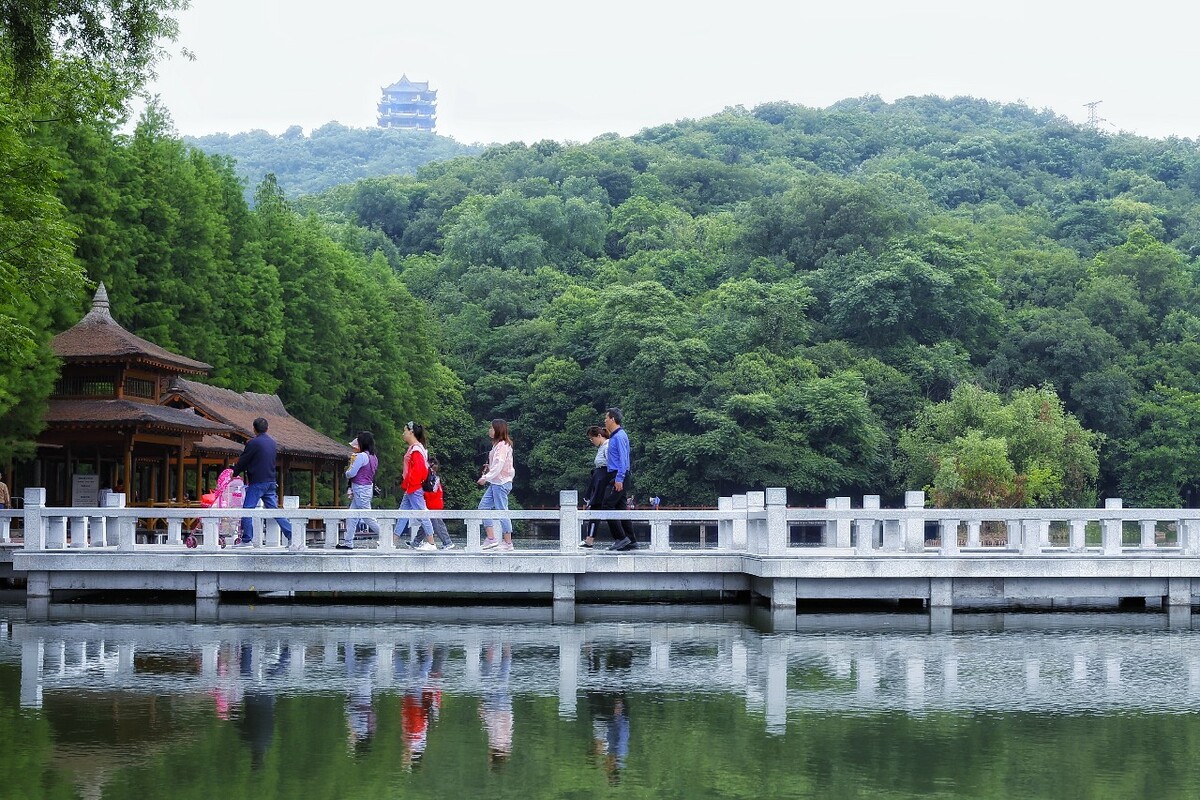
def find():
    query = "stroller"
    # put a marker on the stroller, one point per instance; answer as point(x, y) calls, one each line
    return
point(230, 493)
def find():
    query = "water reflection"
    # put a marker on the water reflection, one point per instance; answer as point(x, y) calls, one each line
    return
point(621, 695)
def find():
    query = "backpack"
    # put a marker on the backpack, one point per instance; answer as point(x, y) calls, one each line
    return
point(431, 482)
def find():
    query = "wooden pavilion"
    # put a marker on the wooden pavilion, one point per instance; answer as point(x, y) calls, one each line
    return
point(123, 417)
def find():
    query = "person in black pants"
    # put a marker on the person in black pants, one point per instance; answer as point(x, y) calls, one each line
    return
point(619, 467)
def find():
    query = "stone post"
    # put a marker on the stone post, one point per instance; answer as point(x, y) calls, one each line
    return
point(777, 538)
point(756, 522)
point(740, 529)
point(1111, 529)
point(914, 528)
point(724, 526)
point(35, 527)
point(841, 527)
point(291, 502)
point(112, 523)
point(1077, 537)
point(568, 521)
point(1031, 537)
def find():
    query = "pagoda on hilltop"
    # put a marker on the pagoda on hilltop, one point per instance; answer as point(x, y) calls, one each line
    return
point(410, 105)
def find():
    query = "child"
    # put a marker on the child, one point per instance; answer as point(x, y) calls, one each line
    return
point(435, 502)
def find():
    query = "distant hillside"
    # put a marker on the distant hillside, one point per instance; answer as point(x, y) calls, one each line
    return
point(333, 154)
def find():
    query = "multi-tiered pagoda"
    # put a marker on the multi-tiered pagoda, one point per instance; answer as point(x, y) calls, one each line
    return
point(408, 104)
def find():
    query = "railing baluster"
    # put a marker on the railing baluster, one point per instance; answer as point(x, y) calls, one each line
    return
point(1147, 528)
point(949, 530)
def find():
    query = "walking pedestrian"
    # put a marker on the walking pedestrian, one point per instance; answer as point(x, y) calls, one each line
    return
point(257, 461)
point(598, 436)
point(432, 488)
point(361, 473)
point(497, 477)
point(619, 468)
point(416, 469)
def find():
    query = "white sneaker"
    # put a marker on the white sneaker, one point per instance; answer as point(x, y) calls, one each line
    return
point(450, 546)
point(242, 543)
point(295, 546)
point(426, 546)
point(506, 546)
point(489, 544)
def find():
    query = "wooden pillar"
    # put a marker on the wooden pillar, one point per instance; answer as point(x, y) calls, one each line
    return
point(179, 493)
point(127, 479)
point(199, 476)
point(312, 487)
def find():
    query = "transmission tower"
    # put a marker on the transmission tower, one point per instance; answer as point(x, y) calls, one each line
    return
point(1094, 118)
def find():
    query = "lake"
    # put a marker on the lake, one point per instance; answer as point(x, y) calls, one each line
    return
point(293, 701)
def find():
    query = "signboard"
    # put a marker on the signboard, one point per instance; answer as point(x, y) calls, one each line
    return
point(85, 491)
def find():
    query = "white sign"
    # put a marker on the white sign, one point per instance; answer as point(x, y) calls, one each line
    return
point(85, 491)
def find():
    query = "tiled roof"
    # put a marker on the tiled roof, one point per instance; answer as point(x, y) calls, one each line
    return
point(240, 410)
point(98, 338)
point(405, 84)
point(218, 445)
point(127, 414)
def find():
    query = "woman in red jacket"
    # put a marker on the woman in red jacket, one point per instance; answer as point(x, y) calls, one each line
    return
point(416, 469)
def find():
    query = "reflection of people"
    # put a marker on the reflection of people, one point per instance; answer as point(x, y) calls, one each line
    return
point(619, 465)
point(495, 709)
point(258, 462)
point(256, 724)
point(610, 732)
point(361, 474)
point(360, 712)
point(595, 491)
point(5, 497)
point(422, 699)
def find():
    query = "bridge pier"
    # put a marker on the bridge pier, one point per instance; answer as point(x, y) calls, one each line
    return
point(564, 589)
point(780, 593)
point(208, 587)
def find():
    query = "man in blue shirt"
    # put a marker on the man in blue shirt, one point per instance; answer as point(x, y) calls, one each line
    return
point(258, 463)
point(618, 481)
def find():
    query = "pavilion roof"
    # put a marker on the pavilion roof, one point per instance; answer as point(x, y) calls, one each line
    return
point(240, 409)
point(98, 338)
point(111, 413)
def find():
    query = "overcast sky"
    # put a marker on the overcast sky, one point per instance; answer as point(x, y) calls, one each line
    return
point(542, 69)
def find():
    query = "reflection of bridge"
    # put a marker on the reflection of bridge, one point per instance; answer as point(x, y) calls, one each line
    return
point(748, 544)
point(1048, 663)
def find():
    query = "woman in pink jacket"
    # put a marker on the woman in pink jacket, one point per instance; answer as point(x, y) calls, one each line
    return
point(497, 477)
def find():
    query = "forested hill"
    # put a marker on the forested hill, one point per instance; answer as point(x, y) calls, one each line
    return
point(330, 155)
point(980, 298)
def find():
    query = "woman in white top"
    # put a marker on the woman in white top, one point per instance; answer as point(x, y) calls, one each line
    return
point(599, 478)
point(497, 477)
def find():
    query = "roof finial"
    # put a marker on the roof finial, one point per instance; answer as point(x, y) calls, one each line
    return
point(100, 305)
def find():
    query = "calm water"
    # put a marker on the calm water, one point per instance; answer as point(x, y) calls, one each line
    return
point(360, 702)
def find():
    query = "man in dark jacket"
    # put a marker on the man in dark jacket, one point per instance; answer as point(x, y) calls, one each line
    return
point(258, 463)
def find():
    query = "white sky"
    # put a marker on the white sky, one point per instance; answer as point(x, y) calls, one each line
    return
point(555, 69)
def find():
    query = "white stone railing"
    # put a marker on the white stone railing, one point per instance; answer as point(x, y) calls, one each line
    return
point(756, 523)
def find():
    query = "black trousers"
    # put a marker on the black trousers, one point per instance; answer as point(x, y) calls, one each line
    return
point(595, 496)
point(615, 501)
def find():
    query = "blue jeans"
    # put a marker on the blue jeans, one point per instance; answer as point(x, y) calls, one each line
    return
point(495, 497)
point(416, 501)
point(360, 497)
point(266, 493)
